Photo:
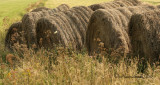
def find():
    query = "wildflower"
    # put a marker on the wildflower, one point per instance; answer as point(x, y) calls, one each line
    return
point(9, 74)
point(28, 72)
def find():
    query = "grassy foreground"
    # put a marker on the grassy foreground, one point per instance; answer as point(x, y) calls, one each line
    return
point(65, 66)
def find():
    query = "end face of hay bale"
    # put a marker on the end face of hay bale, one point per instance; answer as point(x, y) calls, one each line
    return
point(30, 19)
point(115, 4)
point(71, 26)
point(62, 7)
point(48, 33)
point(28, 24)
point(15, 36)
point(133, 2)
point(103, 28)
point(158, 6)
point(40, 9)
point(96, 7)
point(144, 34)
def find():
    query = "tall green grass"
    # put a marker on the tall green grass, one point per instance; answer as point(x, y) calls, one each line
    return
point(13, 9)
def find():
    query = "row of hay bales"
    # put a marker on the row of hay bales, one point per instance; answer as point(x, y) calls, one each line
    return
point(73, 35)
point(128, 25)
point(62, 25)
point(29, 21)
point(26, 27)
point(111, 27)
point(133, 30)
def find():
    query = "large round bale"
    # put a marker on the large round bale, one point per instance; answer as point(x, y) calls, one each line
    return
point(29, 22)
point(110, 28)
point(158, 6)
point(62, 7)
point(144, 33)
point(40, 9)
point(115, 4)
point(14, 36)
point(66, 28)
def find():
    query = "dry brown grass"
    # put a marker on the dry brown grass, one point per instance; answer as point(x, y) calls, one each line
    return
point(65, 66)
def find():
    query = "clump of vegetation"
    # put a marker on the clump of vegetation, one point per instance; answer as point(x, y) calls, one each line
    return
point(65, 66)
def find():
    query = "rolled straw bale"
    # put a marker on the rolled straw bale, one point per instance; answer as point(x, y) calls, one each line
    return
point(110, 27)
point(40, 9)
point(144, 33)
point(158, 6)
point(115, 4)
point(29, 22)
point(14, 36)
point(67, 28)
point(62, 7)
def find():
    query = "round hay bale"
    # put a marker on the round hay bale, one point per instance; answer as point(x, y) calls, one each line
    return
point(58, 27)
point(44, 35)
point(67, 27)
point(82, 17)
point(51, 31)
point(131, 2)
point(115, 4)
point(14, 36)
point(144, 33)
point(62, 7)
point(40, 9)
point(85, 13)
point(110, 27)
point(77, 26)
point(96, 7)
point(65, 30)
point(69, 15)
point(29, 22)
point(71, 28)
point(158, 6)
point(107, 27)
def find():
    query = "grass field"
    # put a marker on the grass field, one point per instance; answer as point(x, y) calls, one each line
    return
point(13, 8)
point(65, 66)
point(55, 3)
point(10, 12)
